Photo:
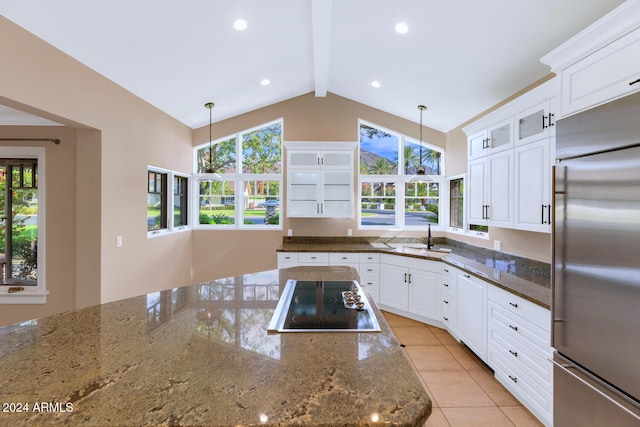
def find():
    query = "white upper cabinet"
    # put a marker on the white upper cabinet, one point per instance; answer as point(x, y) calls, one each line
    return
point(496, 137)
point(601, 63)
point(506, 179)
point(533, 186)
point(320, 179)
point(535, 123)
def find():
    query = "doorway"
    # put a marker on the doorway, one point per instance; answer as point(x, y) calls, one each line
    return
point(19, 221)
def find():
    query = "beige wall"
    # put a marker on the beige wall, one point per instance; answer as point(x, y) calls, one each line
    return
point(306, 118)
point(60, 220)
point(118, 135)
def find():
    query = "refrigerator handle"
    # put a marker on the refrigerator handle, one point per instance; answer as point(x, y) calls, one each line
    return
point(567, 367)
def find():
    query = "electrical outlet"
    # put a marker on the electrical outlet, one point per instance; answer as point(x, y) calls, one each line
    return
point(497, 245)
point(349, 232)
point(289, 232)
point(118, 241)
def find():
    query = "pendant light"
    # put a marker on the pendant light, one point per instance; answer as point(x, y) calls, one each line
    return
point(209, 169)
point(421, 175)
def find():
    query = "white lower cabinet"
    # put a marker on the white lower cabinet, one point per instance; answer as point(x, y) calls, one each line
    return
point(370, 274)
point(471, 313)
point(448, 307)
point(366, 263)
point(411, 286)
point(520, 350)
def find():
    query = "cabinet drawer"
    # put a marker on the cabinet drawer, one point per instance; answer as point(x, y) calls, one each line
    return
point(533, 313)
point(367, 270)
point(287, 258)
point(313, 257)
point(529, 361)
point(343, 258)
point(536, 398)
point(518, 329)
point(370, 257)
point(372, 287)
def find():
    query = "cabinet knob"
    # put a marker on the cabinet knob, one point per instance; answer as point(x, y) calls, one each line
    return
point(446, 284)
point(445, 318)
point(445, 301)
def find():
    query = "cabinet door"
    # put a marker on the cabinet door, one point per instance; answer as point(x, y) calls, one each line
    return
point(471, 313)
point(477, 145)
point(500, 189)
point(534, 124)
point(425, 293)
point(476, 194)
point(304, 158)
point(610, 73)
point(394, 289)
point(337, 159)
point(532, 187)
point(337, 194)
point(303, 194)
point(500, 136)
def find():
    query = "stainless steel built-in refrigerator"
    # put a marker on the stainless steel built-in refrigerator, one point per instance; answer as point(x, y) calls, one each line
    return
point(596, 283)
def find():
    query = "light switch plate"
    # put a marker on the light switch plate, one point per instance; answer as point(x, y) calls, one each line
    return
point(118, 241)
point(497, 245)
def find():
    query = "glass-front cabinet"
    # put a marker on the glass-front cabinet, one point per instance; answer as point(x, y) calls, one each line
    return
point(495, 138)
point(535, 123)
point(320, 179)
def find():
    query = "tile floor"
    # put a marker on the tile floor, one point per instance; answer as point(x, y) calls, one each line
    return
point(463, 390)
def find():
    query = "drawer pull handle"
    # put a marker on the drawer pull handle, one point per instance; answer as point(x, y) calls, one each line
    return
point(514, 353)
point(513, 304)
point(344, 257)
point(445, 301)
point(467, 276)
point(445, 270)
point(313, 257)
point(515, 328)
point(446, 284)
point(369, 269)
point(446, 319)
point(405, 277)
point(514, 379)
point(634, 82)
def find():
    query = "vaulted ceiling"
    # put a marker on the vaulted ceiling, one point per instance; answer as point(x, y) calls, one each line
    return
point(458, 57)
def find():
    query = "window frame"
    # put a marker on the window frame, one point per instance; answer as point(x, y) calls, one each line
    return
point(239, 179)
point(32, 294)
point(169, 201)
point(451, 228)
point(400, 180)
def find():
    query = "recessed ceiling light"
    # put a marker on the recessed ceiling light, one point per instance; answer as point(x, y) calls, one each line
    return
point(402, 28)
point(240, 24)
point(375, 84)
point(265, 82)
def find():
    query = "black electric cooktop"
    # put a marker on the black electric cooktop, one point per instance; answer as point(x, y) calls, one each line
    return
point(323, 306)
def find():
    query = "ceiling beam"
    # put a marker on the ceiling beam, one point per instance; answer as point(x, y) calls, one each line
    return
point(321, 12)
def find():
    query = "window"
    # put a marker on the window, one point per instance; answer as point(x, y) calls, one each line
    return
point(180, 201)
point(22, 222)
point(161, 200)
point(157, 201)
point(388, 197)
point(239, 180)
point(456, 203)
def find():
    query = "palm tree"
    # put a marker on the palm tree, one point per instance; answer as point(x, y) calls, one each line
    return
point(411, 158)
point(382, 166)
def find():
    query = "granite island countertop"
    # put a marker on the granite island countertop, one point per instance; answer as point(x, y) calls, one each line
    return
point(200, 355)
point(526, 278)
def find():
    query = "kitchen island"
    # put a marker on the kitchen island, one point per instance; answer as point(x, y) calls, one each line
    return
point(201, 355)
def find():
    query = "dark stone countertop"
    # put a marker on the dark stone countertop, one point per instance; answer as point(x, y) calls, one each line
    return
point(201, 355)
point(526, 278)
